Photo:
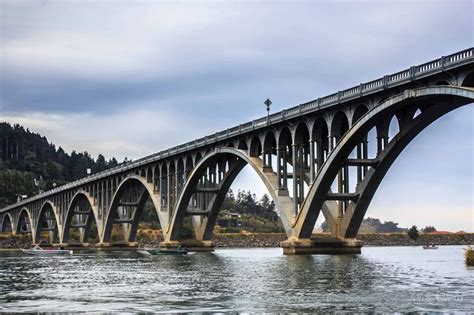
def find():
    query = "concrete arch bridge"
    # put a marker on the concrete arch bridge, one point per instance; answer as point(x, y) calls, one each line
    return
point(325, 157)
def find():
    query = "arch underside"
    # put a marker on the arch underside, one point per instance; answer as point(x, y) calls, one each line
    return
point(205, 190)
point(433, 102)
point(81, 215)
point(7, 224)
point(47, 222)
point(127, 206)
point(24, 224)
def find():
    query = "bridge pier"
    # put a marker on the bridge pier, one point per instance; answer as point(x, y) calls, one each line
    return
point(191, 245)
point(331, 246)
point(117, 245)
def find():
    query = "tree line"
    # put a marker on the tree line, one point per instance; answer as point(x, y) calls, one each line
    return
point(30, 164)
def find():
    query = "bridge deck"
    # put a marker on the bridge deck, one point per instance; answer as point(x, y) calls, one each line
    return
point(389, 81)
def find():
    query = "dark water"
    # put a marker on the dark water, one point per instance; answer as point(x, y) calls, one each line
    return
point(257, 280)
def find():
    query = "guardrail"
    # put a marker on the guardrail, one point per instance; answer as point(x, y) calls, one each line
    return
point(362, 89)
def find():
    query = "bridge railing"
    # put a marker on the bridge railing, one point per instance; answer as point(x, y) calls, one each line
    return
point(362, 89)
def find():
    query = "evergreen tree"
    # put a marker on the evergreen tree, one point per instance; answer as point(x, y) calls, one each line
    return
point(26, 158)
point(413, 233)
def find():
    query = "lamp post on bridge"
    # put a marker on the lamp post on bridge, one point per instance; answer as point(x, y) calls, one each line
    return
point(268, 103)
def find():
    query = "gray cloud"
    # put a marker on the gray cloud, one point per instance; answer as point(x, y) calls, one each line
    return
point(131, 78)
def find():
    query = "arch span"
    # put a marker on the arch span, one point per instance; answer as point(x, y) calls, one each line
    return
point(47, 216)
point(442, 99)
point(236, 160)
point(7, 224)
point(81, 205)
point(25, 223)
point(146, 191)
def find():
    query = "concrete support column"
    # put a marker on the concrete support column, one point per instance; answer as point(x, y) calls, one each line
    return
point(267, 159)
point(107, 194)
point(330, 143)
point(340, 212)
point(359, 168)
point(327, 245)
point(279, 168)
point(162, 196)
point(285, 169)
point(176, 184)
point(312, 172)
point(295, 176)
point(300, 162)
point(168, 194)
point(365, 154)
point(345, 174)
point(319, 155)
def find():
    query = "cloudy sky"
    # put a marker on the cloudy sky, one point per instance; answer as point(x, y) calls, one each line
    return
point(130, 78)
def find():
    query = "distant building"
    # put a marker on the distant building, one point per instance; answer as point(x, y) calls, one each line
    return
point(229, 219)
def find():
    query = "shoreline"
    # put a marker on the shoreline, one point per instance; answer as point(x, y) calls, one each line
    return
point(134, 249)
point(261, 240)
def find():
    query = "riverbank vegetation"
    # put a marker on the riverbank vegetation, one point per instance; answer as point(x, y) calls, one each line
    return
point(469, 255)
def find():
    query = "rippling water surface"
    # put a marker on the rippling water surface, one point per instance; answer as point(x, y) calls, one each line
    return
point(258, 280)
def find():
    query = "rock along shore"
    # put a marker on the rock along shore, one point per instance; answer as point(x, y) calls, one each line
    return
point(273, 240)
point(389, 239)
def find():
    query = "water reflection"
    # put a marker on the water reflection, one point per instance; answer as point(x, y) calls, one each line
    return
point(381, 279)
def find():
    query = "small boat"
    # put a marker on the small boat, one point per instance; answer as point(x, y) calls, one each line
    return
point(430, 246)
point(38, 251)
point(162, 251)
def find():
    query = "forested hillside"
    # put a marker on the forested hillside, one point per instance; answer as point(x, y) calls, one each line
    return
point(30, 164)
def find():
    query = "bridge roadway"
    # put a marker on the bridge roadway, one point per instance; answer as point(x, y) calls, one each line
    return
point(326, 156)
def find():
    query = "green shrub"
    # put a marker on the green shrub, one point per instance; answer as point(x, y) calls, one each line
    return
point(469, 254)
point(413, 233)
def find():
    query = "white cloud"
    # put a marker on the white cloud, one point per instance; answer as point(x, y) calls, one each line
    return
point(132, 132)
point(220, 60)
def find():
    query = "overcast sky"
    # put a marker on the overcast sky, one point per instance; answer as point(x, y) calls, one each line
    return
point(130, 78)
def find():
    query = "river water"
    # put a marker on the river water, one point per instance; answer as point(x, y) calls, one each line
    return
point(256, 280)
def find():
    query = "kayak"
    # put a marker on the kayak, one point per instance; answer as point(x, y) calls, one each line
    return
point(38, 251)
point(430, 247)
point(158, 251)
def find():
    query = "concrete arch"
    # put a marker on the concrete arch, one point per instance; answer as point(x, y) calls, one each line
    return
point(285, 137)
point(149, 174)
point(301, 134)
point(269, 149)
point(453, 96)
point(468, 80)
point(319, 136)
point(339, 124)
point(269, 140)
point(242, 145)
point(43, 209)
point(359, 111)
point(156, 176)
point(320, 129)
point(256, 147)
point(188, 164)
point(24, 213)
point(148, 193)
point(240, 157)
point(81, 194)
point(197, 157)
point(7, 217)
